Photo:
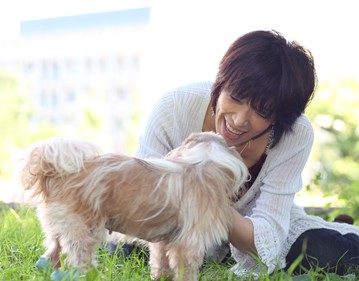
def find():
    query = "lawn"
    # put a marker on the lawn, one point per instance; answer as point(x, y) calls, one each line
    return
point(21, 246)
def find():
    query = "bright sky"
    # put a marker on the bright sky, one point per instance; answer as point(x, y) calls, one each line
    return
point(187, 38)
point(187, 41)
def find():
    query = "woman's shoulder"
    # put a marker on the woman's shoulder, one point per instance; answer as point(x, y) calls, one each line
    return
point(300, 137)
point(303, 120)
point(174, 116)
point(197, 87)
point(189, 101)
point(183, 98)
point(303, 128)
point(191, 91)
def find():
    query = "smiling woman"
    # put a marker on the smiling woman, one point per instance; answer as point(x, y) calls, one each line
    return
point(287, 74)
point(257, 102)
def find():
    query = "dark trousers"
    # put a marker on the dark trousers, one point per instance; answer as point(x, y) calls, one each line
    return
point(326, 249)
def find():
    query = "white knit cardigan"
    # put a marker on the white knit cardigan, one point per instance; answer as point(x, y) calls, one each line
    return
point(269, 203)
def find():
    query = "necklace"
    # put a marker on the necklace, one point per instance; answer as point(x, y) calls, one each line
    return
point(248, 144)
point(269, 141)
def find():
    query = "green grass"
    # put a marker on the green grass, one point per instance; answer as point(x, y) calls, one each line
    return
point(21, 246)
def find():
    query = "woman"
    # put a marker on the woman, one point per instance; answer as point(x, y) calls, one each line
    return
point(256, 102)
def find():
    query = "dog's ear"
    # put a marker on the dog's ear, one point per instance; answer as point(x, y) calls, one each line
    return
point(223, 164)
point(207, 194)
point(217, 174)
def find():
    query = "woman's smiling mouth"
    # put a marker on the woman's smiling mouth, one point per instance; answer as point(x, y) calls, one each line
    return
point(232, 130)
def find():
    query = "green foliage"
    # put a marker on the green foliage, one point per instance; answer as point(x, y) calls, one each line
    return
point(16, 129)
point(350, 195)
point(132, 127)
point(335, 115)
point(315, 181)
point(21, 123)
point(18, 247)
point(21, 246)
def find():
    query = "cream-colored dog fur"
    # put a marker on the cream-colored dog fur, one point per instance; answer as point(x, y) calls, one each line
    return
point(180, 204)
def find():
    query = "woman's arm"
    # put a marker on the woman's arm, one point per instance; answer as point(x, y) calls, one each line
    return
point(241, 234)
point(270, 199)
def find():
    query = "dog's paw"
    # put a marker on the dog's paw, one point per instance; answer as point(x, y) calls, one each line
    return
point(43, 264)
point(65, 275)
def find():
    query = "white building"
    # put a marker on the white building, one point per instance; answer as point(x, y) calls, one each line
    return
point(83, 70)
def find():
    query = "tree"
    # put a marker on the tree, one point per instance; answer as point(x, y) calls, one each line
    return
point(335, 115)
point(16, 129)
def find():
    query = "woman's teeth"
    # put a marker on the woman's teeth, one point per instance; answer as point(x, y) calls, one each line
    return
point(232, 130)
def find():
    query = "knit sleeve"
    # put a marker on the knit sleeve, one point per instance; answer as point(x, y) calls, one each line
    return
point(156, 141)
point(178, 113)
point(271, 214)
point(271, 205)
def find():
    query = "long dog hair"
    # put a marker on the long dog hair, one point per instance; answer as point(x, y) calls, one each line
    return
point(180, 204)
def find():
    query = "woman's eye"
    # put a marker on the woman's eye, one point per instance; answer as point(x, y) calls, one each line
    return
point(240, 101)
point(233, 98)
point(263, 114)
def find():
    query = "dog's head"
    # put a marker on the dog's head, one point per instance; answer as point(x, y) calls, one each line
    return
point(199, 147)
point(208, 150)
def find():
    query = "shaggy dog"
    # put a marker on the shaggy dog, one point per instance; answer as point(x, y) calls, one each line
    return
point(180, 204)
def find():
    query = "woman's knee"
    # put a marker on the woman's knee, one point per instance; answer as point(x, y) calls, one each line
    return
point(324, 249)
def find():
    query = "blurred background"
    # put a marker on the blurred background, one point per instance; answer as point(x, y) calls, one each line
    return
point(93, 69)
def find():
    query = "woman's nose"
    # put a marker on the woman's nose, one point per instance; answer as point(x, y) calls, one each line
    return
point(241, 117)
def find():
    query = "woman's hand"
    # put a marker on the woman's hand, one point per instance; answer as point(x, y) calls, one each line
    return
point(241, 233)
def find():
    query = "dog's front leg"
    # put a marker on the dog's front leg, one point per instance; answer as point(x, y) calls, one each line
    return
point(158, 260)
point(185, 261)
point(51, 258)
point(53, 251)
point(51, 243)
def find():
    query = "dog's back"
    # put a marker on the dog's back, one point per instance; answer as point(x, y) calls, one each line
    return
point(113, 187)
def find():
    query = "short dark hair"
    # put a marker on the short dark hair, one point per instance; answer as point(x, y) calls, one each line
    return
point(276, 76)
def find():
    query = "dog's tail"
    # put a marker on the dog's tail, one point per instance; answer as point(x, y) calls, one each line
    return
point(50, 160)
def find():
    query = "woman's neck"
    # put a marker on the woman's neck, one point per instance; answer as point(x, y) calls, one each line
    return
point(253, 152)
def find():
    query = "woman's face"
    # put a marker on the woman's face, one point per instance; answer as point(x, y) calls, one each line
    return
point(237, 121)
